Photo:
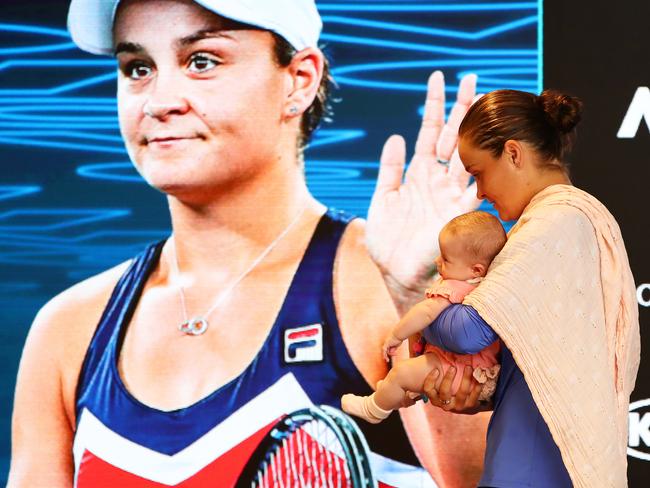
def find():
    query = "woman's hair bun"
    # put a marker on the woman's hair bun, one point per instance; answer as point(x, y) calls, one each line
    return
point(562, 111)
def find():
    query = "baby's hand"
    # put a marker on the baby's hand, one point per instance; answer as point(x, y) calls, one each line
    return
point(390, 346)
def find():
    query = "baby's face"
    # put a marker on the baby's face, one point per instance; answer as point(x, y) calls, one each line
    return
point(454, 263)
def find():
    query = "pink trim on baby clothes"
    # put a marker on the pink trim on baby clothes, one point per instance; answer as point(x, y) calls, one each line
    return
point(452, 290)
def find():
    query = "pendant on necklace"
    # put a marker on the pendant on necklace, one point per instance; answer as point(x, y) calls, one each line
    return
point(195, 327)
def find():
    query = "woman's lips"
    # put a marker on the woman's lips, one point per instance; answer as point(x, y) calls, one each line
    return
point(169, 141)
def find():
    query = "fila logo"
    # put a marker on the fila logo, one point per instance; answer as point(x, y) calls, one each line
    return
point(303, 344)
point(639, 109)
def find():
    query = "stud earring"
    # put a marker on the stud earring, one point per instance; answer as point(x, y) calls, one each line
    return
point(293, 110)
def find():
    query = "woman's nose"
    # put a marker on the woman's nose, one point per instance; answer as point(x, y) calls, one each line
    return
point(165, 99)
point(162, 107)
point(479, 192)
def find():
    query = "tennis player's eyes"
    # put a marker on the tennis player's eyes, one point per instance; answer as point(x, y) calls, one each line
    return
point(137, 70)
point(200, 62)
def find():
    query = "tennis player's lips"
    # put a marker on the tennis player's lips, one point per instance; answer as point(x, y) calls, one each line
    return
point(169, 141)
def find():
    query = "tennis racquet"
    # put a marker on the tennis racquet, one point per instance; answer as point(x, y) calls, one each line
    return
point(316, 447)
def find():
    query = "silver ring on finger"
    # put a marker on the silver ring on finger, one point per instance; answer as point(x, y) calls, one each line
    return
point(444, 162)
point(445, 402)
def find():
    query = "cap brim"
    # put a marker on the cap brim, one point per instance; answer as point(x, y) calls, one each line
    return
point(90, 23)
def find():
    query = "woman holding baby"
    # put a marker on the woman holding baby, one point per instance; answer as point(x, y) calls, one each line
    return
point(559, 296)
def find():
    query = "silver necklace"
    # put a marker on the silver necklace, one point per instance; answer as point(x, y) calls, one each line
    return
point(198, 324)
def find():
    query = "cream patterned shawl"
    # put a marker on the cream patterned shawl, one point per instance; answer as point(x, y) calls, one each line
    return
point(562, 298)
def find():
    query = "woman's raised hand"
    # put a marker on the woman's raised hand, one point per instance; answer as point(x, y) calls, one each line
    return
point(406, 214)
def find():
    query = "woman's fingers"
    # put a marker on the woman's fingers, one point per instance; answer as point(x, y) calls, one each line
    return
point(409, 399)
point(472, 399)
point(433, 119)
point(391, 165)
point(445, 397)
point(465, 388)
point(465, 400)
point(468, 198)
point(457, 171)
point(448, 138)
point(429, 386)
point(440, 396)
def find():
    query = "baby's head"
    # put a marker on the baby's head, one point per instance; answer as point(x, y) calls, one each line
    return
point(468, 244)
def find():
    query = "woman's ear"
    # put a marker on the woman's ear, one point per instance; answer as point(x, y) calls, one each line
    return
point(305, 73)
point(513, 151)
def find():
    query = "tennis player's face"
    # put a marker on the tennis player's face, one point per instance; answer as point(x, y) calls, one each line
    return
point(200, 100)
point(497, 180)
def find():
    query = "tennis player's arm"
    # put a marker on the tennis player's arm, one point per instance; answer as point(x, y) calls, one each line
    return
point(44, 407)
point(461, 330)
point(42, 431)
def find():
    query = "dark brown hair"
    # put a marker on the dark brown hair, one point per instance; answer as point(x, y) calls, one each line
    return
point(547, 122)
point(321, 108)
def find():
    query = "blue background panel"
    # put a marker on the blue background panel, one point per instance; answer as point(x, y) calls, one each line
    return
point(71, 205)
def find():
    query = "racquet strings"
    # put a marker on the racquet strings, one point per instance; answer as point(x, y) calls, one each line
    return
point(310, 456)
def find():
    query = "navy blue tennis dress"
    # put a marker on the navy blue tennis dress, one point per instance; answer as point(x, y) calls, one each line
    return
point(122, 442)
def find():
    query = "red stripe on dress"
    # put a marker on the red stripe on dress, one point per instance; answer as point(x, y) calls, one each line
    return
point(303, 333)
point(223, 472)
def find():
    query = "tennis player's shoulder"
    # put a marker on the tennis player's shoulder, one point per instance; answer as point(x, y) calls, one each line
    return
point(80, 306)
point(65, 325)
point(356, 273)
point(59, 337)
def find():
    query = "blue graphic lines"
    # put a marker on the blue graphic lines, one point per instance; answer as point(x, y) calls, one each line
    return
point(60, 238)
point(77, 209)
point(425, 6)
point(49, 219)
point(431, 31)
point(43, 32)
point(518, 67)
point(13, 191)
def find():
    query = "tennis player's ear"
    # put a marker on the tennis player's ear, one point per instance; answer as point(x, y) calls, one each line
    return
point(305, 72)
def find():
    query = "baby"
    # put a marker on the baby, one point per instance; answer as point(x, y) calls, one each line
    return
point(468, 244)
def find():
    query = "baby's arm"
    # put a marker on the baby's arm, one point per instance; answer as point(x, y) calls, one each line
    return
point(415, 320)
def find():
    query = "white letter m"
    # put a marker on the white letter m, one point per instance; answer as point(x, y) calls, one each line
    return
point(639, 110)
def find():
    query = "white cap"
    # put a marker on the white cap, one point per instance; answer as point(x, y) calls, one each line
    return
point(90, 22)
